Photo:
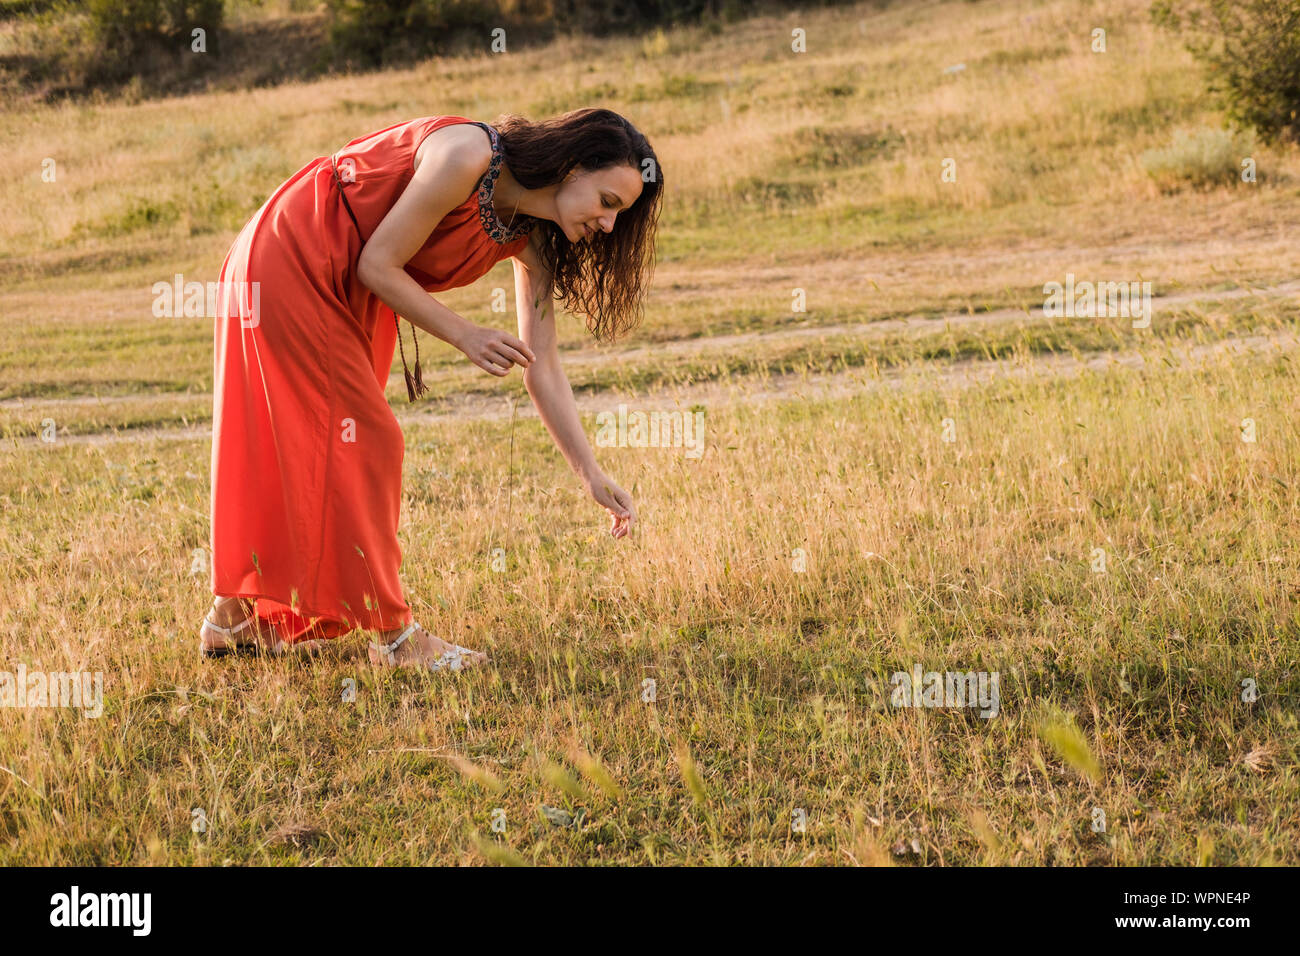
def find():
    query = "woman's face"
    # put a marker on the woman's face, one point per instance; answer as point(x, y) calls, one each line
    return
point(590, 200)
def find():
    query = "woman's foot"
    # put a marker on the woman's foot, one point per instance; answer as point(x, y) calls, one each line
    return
point(422, 649)
point(230, 614)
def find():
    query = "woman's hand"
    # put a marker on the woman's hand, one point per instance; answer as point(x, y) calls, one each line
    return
point(494, 351)
point(614, 500)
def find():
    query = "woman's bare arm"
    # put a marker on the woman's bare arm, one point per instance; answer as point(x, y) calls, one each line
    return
point(448, 172)
point(545, 380)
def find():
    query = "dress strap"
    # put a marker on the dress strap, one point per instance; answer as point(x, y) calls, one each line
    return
point(334, 164)
point(492, 135)
point(501, 232)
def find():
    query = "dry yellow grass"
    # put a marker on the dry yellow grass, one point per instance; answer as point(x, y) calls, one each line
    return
point(1109, 544)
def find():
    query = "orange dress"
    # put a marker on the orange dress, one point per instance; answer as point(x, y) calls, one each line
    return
point(306, 453)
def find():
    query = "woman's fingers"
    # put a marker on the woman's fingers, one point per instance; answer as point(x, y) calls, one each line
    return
point(619, 525)
point(490, 361)
point(511, 356)
point(496, 352)
point(518, 346)
point(618, 503)
point(500, 358)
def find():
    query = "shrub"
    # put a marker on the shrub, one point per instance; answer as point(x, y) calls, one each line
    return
point(133, 26)
point(379, 32)
point(1252, 49)
point(1204, 157)
point(125, 32)
point(603, 17)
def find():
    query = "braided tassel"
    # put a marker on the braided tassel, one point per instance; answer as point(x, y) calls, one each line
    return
point(415, 386)
point(420, 387)
point(410, 385)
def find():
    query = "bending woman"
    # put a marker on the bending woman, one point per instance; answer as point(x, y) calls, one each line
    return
point(306, 453)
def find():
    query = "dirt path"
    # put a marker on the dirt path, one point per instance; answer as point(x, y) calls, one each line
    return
point(591, 357)
point(960, 374)
point(868, 329)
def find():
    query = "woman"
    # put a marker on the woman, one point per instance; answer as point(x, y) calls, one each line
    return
point(306, 454)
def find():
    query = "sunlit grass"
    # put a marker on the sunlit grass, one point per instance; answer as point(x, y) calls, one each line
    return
point(774, 585)
point(772, 682)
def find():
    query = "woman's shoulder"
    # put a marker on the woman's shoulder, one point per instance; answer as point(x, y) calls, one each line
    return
point(467, 140)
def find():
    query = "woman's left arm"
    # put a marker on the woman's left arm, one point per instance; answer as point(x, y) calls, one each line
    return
point(552, 395)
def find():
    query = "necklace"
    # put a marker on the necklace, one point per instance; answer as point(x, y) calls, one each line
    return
point(512, 216)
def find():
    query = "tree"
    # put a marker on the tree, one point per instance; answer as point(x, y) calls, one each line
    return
point(1252, 50)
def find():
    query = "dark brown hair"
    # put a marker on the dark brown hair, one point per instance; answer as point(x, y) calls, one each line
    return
point(606, 278)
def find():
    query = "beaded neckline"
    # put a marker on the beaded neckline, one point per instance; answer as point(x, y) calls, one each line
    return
point(487, 213)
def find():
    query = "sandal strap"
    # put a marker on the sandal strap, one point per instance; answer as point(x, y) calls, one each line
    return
point(229, 631)
point(390, 649)
point(454, 658)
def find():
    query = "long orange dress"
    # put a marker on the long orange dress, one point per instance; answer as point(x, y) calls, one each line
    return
point(306, 453)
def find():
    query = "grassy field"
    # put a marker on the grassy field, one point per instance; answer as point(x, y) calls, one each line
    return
point(1118, 544)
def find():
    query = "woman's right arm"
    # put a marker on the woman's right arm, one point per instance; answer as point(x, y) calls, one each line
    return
point(445, 176)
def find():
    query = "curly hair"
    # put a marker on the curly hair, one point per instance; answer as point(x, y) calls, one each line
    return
point(606, 279)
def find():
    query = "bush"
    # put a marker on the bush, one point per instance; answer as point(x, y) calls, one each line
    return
point(1205, 157)
point(127, 32)
point(1252, 48)
point(604, 17)
point(135, 26)
point(380, 32)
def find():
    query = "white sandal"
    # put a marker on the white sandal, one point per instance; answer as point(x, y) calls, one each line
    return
point(451, 660)
point(232, 646)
